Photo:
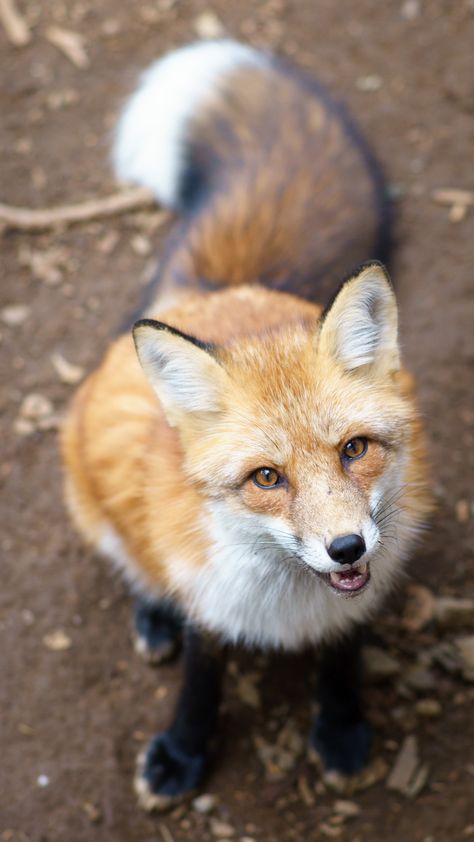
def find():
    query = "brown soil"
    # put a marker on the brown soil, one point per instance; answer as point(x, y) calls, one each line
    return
point(78, 716)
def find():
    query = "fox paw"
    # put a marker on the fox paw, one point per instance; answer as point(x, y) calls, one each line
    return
point(343, 748)
point(157, 633)
point(166, 775)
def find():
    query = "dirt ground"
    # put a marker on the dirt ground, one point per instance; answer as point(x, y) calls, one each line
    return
point(77, 703)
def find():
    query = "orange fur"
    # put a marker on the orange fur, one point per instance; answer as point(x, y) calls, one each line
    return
point(299, 207)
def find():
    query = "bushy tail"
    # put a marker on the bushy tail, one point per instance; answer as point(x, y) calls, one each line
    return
point(283, 189)
point(152, 143)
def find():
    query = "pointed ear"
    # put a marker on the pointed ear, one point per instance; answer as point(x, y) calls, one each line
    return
point(182, 370)
point(361, 326)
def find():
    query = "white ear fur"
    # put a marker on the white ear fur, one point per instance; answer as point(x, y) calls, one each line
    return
point(361, 327)
point(182, 372)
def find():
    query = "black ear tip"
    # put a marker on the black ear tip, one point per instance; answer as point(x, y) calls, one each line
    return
point(161, 326)
point(148, 323)
point(372, 264)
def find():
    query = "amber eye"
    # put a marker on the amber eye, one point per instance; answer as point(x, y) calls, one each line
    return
point(355, 448)
point(266, 477)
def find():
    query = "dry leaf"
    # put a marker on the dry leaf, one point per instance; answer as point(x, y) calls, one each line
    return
point(407, 775)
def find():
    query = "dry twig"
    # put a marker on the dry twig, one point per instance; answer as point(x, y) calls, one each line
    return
point(28, 219)
point(453, 196)
point(16, 27)
point(71, 44)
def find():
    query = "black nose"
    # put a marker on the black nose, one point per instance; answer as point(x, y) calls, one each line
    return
point(347, 549)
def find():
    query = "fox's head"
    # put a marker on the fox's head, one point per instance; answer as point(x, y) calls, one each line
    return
point(304, 439)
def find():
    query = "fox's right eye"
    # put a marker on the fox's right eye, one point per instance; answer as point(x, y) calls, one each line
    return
point(266, 477)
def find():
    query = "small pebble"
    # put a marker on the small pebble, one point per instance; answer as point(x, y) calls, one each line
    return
point(368, 84)
point(15, 314)
point(205, 803)
point(346, 808)
point(208, 25)
point(221, 829)
point(42, 780)
point(141, 245)
point(410, 9)
point(57, 641)
point(429, 708)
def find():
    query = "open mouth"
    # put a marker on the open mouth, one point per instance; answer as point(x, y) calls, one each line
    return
point(350, 582)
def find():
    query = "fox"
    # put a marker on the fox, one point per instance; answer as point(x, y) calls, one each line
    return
point(251, 455)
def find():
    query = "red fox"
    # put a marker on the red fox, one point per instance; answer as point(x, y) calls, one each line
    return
point(257, 468)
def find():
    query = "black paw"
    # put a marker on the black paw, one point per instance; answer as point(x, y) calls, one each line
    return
point(166, 775)
point(158, 630)
point(342, 747)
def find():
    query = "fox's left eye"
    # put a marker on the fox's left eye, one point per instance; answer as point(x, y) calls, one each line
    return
point(266, 477)
point(355, 448)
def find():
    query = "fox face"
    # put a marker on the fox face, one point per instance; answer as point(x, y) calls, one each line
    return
point(299, 441)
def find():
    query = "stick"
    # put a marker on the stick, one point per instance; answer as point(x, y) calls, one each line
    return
point(16, 28)
point(28, 219)
point(452, 196)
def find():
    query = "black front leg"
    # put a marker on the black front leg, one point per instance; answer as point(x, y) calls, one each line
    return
point(175, 761)
point(158, 629)
point(341, 734)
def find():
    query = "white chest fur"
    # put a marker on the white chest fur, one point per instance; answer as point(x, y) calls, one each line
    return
point(255, 594)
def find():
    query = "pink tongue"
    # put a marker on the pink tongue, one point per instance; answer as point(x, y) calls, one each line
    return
point(349, 580)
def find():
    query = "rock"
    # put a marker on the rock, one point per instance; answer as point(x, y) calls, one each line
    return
point(419, 679)
point(429, 708)
point(345, 808)
point(221, 829)
point(57, 641)
point(204, 803)
point(451, 612)
point(36, 413)
point(465, 647)
point(348, 809)
point(408, 776)
point(419, 608)
point(15, 314)
point(208, 25)
point(410, 9)
point(141, 245)
point(330, 830)
point(378, 664)
point(35, 407)
point(68, 372)
point(368, 84)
